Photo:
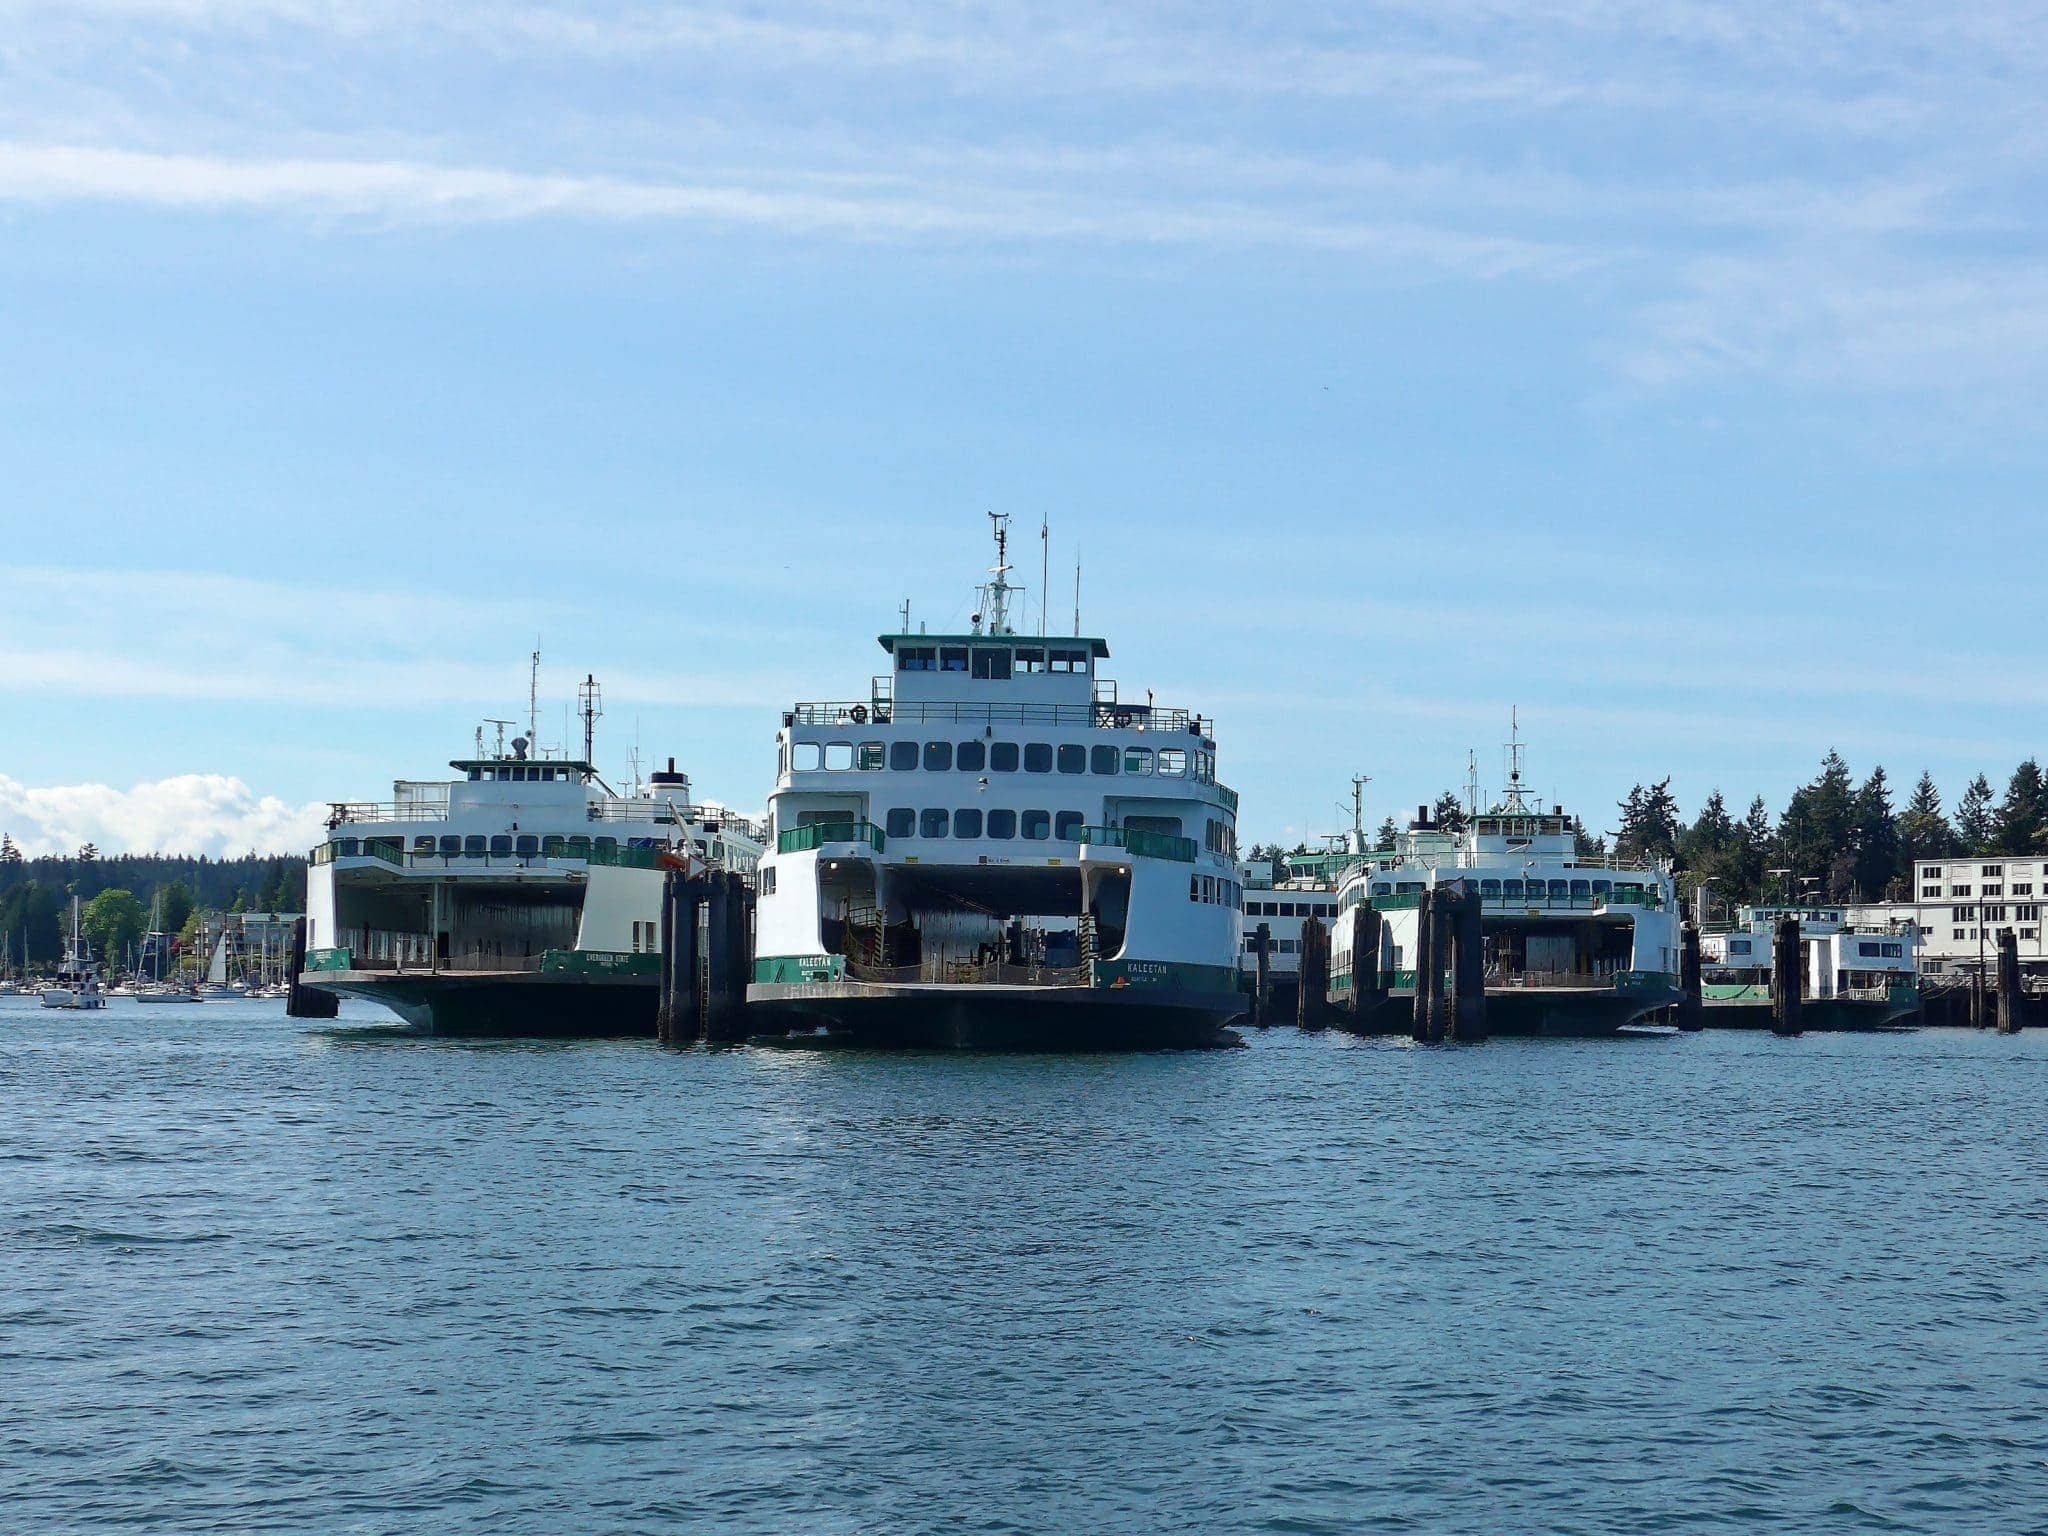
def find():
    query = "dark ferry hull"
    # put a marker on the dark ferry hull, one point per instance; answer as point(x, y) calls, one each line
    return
point(1000, 1018)
point(1555, 1013)
point(1820, 1015)
point(506, 1004)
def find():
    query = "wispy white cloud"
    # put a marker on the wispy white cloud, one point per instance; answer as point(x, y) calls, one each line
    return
point(199, 813)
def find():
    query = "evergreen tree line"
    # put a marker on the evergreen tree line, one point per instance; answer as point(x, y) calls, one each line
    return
point(119, 890)
point(1835, 840)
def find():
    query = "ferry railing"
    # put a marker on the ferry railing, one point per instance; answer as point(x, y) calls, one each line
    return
point(940, 970)
point(1141, 841)
point(1094, 715)
point(1404, 901)
point(803, 839)
point(383, 848)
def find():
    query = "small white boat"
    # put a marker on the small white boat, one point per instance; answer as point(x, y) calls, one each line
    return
point(78, 980)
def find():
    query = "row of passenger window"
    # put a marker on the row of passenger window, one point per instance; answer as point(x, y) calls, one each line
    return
point(1002, 825)
point(987, 757)
point(1290, 908)
point(1215, 890)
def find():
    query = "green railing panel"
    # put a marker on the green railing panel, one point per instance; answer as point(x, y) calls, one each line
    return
point(1141, 841)
point(803, 839)
point(330, 959)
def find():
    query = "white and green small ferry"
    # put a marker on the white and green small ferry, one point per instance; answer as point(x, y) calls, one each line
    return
point(1576, 943)
point(523, 897)
point(1855, 976)
point(994, 849)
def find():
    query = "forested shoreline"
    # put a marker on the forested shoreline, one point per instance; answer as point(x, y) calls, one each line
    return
point(118, 892)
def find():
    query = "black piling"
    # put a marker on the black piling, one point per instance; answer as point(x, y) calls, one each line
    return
point(1313, 993)
point(1788, 977)
point(2010, 1001)
point(725, 939)
point(300, 1000)
point(1262, 984)
point(1467, 1009)
point(1430, 1022)
point(1367, 991)
point(1692, 1008)
point(679, 1018)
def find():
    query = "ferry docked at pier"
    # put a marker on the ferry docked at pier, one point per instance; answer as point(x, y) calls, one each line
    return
point(1856, 976)
point(1575, 943)
point(1280, 895)
point(995, 849)
point(523, 897)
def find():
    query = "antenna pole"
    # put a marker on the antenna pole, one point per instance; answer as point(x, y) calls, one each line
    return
point(591, 698)
point(1044, 569)
point(533, 695)
point(1077, 597)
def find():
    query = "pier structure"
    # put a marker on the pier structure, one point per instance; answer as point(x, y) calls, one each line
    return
point(1788, 975)
point(706, 956)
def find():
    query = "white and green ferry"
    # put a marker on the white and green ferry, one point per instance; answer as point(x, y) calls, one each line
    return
point(993, 848)
point(1855, 976)
point(523, 897)
point(1575, 943)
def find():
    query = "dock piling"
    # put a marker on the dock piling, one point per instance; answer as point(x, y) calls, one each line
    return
point(678, 1018)
point(2011, 1003)
point(1788, 977)
point(1314, 982)
point(1429, 969)
point(1467, 1007)
point(1367, 993)
point(1691, 1004)
point(1262, 986)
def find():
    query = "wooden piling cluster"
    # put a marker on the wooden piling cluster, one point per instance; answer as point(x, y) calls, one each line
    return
point(301, 1001)
point(706, 957)
point(1368, 992)
point(1450, 965)
point(1692, 1008)
point(1788, 977)
point(1313, 993)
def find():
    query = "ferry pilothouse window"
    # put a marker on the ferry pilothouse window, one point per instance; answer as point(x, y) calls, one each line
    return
point(1037, 757)
point(1173, 762)
point(1138, 760)
point(806, 755)
point(967, 823)
point(1073, 759)
point(992, 664)
point(1063, 660)
point(1002, 825)
point(952, 658)
point(938, 757)
point(1037, 825)
point(872, 757)
point(526, 845)
point(838, 756)
point(903, 756)
point(970, 756)
point(900, 823)
point(1102, 760)
point(932, 824)
point(1030, 658)
point(1067, 825)
point(1002, 757)
point(917, 658)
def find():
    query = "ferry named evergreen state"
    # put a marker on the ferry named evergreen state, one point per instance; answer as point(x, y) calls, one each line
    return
point(521, 898)
point(994, 849)
point(1856, 977)
point(1575, 943)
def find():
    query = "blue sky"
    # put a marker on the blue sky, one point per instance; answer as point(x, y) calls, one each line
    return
point(1671, 371)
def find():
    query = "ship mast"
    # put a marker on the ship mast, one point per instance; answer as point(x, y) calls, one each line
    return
point(1516, 803)
point(996, 594)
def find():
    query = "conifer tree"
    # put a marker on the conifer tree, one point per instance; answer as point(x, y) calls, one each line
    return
point(1874, 849)
point(1973, 817)
point(1924, 833)
point(2021, 824)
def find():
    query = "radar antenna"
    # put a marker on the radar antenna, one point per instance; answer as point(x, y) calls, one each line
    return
point(499, 750)
point(995, 595)
point(1517, 803)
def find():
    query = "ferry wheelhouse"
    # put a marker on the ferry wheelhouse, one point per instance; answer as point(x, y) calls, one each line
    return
point(1576, 943)
point(994, 849)
point(1856, 976)
point(523, 897)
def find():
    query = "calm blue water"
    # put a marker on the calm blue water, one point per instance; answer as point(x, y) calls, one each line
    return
point(264, 1276)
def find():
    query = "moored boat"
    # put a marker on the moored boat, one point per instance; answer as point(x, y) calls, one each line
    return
point(77, 982)
point(993, 849)
point(1854, 976)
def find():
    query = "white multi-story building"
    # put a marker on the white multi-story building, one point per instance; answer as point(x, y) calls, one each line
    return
point(1960, 906)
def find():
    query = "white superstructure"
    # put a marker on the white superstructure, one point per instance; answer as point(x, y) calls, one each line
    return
point(77, 983)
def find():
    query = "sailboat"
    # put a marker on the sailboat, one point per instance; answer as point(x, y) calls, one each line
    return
point(158, 987)
point(78, 978)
